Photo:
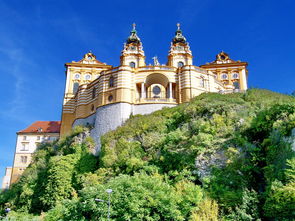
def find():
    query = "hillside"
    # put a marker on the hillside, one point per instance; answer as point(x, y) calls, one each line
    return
point(219, 157)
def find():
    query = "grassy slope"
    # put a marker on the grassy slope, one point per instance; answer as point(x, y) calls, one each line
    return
point(233, 145)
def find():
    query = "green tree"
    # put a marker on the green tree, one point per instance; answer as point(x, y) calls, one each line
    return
point(138, 197)
point(207, 211)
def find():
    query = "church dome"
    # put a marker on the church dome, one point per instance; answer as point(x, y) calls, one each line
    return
point(133, 38)
point(179, 38)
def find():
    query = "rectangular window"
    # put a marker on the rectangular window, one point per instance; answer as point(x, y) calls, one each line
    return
point(24, 137)
point(38, 137)
point(24, 159)
point(25, 146)
point(202, 82)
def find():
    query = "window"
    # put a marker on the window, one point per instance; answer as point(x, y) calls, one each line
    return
point(236, 85)
point(54, 138)
point(110, 98)
point(87, 77)
point(77, 76)
point(111, 81)
point(24, 137)
point(235, 76)
point(180, 64)
point(24, 159)
point(92, 107)
point(156, 90)
point(132, 64)
point(24, 147)
point(75, 87)
point(202, 82)
point(224, 76)
point(38, 137)
point(93, 93)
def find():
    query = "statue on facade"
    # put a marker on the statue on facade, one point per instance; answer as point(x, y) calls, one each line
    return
point(156, 61)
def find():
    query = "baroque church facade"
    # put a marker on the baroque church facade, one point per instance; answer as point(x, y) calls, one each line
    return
point(104, 96)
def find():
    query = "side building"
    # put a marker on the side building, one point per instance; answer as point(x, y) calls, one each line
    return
point(27, 142)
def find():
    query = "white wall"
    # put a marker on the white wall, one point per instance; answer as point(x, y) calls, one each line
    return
point(27, 143)
point(111, 116)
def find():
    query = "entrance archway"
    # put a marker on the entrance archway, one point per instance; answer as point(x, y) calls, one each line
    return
point(156, 86)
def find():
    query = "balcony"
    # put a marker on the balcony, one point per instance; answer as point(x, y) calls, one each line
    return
point(156, 100)
point(162, 67)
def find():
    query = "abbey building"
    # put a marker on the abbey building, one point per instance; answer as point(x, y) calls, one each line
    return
point(104, 96)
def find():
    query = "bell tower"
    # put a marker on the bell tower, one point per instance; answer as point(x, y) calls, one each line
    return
point(180, 53)
point(133, 54)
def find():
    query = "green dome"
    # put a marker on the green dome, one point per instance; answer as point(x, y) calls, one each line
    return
point(133, 38)
point(179, 38)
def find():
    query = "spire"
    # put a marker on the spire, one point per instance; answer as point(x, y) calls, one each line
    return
point(179, 38)
point(133, 38)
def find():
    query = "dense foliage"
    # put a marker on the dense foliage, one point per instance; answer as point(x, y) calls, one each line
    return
point(219, 157)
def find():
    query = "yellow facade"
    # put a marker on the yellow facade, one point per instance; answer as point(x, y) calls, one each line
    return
point(91, 84)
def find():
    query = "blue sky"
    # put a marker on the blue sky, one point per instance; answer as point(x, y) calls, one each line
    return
point(38, 37)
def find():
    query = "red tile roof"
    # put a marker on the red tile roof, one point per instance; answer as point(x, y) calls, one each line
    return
point(42, 127)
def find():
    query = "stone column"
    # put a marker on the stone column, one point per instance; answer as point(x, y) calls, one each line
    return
point(243, 80)
point(170, 90)
point(143, 90)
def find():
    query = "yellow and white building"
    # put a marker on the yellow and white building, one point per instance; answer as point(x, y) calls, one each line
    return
point(105, 96)
point(27, 142)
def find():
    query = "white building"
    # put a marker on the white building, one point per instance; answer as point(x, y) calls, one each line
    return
point(27, 142)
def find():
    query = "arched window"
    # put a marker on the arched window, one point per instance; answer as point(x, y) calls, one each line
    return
point(93, 93)
point(111, 81)
point(236, 85)
point(75, 87)
point(110, 98)
point(132, 64)
point(180, 64)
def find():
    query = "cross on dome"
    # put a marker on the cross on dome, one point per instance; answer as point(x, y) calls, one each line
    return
point(179, 38)
point(133, 38)
point(178, 26)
